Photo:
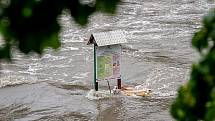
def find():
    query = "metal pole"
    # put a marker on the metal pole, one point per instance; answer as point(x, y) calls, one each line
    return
point(119, 84)
point(95, 82)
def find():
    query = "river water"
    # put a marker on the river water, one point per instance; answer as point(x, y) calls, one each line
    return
point(158, 56)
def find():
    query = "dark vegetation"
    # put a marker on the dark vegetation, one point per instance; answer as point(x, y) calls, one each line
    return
point(32, 25)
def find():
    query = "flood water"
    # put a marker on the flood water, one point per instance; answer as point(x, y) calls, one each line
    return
point(158, 56)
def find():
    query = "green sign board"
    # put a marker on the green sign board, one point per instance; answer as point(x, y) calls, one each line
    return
point(104, 67)
point(108, 62)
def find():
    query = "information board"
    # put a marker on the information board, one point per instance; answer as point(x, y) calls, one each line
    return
point(108, 62)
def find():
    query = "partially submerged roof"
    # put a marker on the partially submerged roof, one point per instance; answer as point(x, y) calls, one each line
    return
point(107, 38)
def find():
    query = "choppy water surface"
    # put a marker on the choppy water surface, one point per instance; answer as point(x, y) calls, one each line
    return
point(158, 55)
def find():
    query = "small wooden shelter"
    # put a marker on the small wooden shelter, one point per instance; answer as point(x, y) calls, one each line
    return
point(107, 56)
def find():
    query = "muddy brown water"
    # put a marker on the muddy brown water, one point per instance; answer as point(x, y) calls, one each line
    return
point(158, 55)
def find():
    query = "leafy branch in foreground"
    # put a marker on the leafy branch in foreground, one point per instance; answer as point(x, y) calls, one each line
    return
point(32, 25)
point(196, 99)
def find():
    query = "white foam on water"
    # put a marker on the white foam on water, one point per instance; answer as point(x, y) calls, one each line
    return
point(164, 94)
point(141, 87)
point(162, 81)
point(10, 81)
point(85, 74)
point(77, 77)
point(69, 48)
point(78, 82)
point(102, 94)
point(53, 58)
point(81, 76)
point(97, 95)
point(73, 48)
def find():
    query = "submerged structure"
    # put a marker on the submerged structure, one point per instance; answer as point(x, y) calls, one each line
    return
point(107, 56)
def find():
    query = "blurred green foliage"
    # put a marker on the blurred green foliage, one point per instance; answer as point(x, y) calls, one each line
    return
point(32, 25)
point(196, 99)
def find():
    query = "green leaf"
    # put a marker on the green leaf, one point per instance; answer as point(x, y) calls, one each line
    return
point(33, 25)
point(5, 52)
point(200, 39)
point(209, 19)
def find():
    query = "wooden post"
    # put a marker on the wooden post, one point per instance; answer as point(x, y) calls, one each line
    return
point(109, 86)
point(96, 86)
point(95, 82)
point(119, 84)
